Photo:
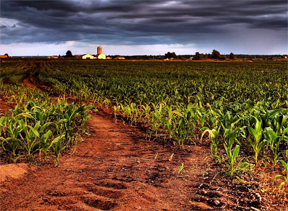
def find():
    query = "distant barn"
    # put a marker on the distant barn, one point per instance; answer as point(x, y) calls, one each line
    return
point(88, 56)
point(99, 55)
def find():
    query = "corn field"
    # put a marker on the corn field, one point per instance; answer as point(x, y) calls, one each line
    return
point(240, 109)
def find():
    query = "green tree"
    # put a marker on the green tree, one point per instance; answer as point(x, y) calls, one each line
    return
point(170, 55)
point(69, 54)
point(197, 56)
point(232, 56)
point(215, 54)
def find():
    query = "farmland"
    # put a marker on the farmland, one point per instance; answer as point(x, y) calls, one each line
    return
point(236, 112)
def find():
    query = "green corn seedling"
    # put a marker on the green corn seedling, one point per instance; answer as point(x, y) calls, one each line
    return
point(57, 146)
point(181, 168)
point(45, 143)
point(285, 177)
point(11, 144)
point(273, 141)
point(233, 167)
point(213, 135)
point(256, 144)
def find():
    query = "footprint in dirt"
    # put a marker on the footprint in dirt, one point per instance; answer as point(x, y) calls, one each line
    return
point(101, 195)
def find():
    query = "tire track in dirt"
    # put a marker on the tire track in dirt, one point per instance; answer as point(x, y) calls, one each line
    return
point(31, 80)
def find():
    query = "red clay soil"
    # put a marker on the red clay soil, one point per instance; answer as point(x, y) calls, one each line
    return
point(117, 168)
point(27, 83)
point(4, 106)
point(34, 83)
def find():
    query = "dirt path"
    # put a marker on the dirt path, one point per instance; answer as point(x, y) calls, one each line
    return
point(115, 168)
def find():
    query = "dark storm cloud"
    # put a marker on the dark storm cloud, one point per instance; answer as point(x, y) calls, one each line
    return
point(135, 22)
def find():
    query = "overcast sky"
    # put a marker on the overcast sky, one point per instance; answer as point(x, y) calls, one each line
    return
point(138, 27)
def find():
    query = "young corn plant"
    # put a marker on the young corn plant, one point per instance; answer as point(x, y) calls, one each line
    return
point(231, 133)
point(285, 177)
point(256, 144)
point(45, 143)
point(213, 135)
point(147, 110)
point(156, 120)
point(10, 140)
point(233, 166)
point(168, 125)
point(279, 123)
point(180, 132)
point(77, 141)
point(12, 145)
point(3, 124)
point(181, 168)
point(57, 145)
point(31, 141)
point(184, 127)
point(273, 142)
point(116, 109)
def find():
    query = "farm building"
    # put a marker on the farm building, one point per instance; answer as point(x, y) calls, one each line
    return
point(88, 56)
point(3, 56)
point(100, 55)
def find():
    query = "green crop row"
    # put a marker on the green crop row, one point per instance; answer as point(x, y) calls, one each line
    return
point(19, 93)
point(38, 127)
point(172, 83)
point(13, 71)
point(44, 128)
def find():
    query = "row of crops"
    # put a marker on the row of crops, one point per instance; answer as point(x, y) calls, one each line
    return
point(240, 108)
point(38, 128)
